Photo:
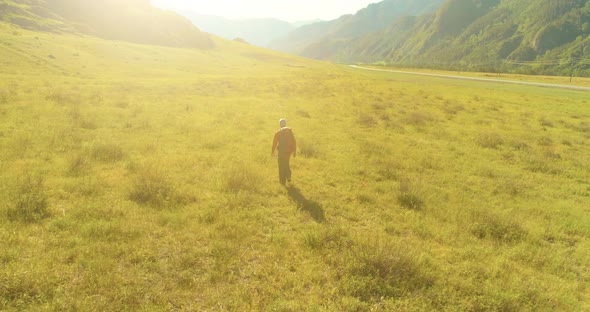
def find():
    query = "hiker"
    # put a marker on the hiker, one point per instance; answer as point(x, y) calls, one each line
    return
point(285, 141)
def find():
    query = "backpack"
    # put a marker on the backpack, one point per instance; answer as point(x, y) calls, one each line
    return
point(286, 142)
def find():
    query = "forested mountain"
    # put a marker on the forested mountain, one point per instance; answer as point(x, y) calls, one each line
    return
point(533, 36)
point(259, 31)
point(131, 20)
point(315, 37)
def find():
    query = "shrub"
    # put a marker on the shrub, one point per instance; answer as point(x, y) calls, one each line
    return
point(28, 202)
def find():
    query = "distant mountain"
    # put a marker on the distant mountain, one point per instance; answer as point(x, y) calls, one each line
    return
point(546, 36)
point(310, 40)
point(130, 20)
point(259, 32)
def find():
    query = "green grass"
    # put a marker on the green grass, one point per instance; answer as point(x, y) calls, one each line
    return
point(139, 178)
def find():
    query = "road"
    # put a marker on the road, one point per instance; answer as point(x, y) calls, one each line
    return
point(537, 84)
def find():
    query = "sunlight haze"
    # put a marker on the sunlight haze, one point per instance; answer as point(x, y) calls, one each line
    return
point(281, 9)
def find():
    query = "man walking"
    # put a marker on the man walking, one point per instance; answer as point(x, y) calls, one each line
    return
point(285, 141)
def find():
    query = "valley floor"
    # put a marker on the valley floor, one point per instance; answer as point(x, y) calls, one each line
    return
point(139, 178)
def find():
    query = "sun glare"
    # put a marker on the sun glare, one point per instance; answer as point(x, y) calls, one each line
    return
point(286, 10)
point(226, 8)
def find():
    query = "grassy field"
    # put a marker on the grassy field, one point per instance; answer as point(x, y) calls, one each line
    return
point(561, 80)
point(140, 178)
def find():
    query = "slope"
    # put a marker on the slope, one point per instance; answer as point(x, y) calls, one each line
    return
point(310, 40)
point(134, 21)
point(533, 36)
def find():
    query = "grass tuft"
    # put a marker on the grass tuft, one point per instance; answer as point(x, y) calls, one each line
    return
point(77, 164)
point(546, 123)
point(490, 140)
point(488, 225)
point(409, 197)
point(379, 269)
point(327, 238)
point(543, 162)
point(367, 120)
point(302, 113)
point(28, 202)
point(241, 177)
point(453, 109)
point(62, 97)
point(107, 152)
point(307, 149)
point(4, 96)
point(418, 118)
point(151, 187)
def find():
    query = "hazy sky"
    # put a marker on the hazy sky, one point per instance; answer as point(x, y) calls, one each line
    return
point(289, 10)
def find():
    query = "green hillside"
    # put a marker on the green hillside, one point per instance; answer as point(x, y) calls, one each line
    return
point(134, 21)
point(541, 37)
point(319, 39)
point(139, 178)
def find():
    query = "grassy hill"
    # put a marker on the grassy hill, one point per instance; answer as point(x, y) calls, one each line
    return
point(131, 20)
point(541, 37)
point(137, 177)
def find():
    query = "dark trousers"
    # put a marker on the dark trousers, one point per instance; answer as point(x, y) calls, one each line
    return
point(284, 168)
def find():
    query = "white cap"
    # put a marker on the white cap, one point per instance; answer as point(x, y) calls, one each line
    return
point(283, 122)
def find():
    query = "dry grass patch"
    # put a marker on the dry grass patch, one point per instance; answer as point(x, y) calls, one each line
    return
point(152, 187)
point(107, 152)
point(490, 140)
point(502, 229)
point(27, 201)
point(306, 148)
point(241, 177)
point(410, 196)
point(418, 118)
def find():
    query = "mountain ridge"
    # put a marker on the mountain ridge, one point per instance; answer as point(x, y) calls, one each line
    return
point(498, 35)
point(372, 18)
point(257, 31)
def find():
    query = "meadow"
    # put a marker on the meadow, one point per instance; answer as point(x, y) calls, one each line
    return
point(140, 178)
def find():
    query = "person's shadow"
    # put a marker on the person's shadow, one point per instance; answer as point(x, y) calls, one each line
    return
point(313, 207)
